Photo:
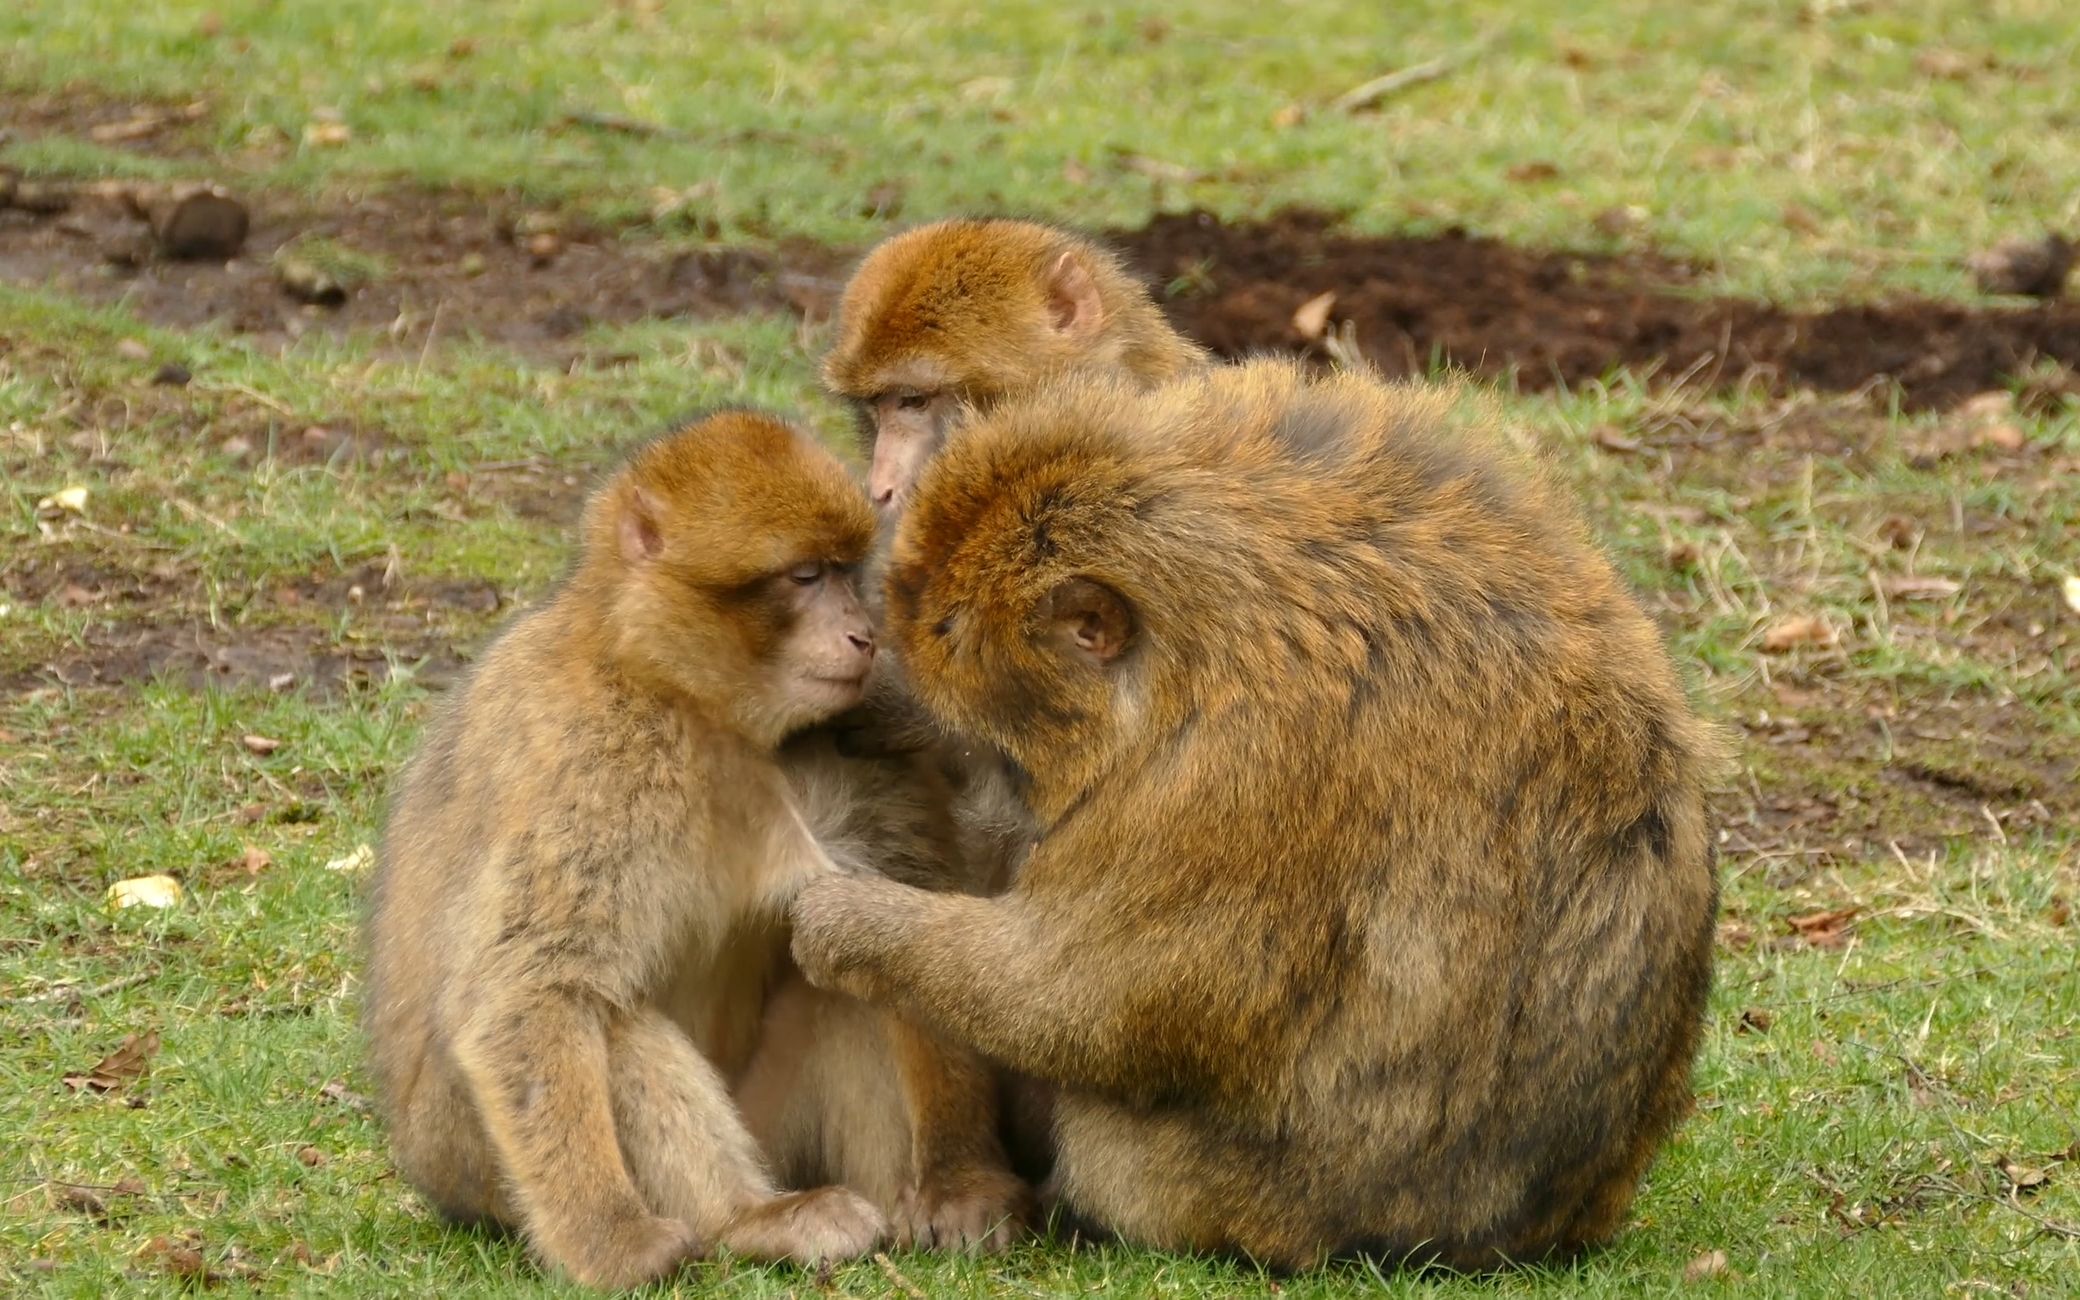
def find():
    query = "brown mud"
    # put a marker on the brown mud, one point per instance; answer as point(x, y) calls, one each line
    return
point(446, 266)
point(1558, 318)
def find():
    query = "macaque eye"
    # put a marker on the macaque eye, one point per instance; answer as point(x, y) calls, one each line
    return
point(914, 401)
point(808, 574)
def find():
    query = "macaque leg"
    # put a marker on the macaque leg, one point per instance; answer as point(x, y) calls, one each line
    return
point(965, 1195)
point(538, 1065)
point(694, 1158)
point(843, 1091)
point(440, 1146)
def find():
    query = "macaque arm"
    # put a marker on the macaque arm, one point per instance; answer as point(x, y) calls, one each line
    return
point(994, 973)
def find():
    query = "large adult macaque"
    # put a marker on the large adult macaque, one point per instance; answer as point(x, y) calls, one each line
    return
point(1372, 903)
point(960, 314)
point(580, 1012)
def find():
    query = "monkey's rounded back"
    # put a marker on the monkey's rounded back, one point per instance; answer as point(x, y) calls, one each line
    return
point(1391, 733)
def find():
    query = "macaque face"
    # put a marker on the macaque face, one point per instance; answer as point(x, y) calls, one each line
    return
point(909, 429)
point(823, 663)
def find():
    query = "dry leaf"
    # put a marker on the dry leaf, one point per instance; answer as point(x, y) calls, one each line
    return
point(2024, 1178)
point(1909, 588)
point(311, 1157)
point(125, 1065)
point(339, 1094)
point(1526, 173)
point(1754, 1020)
point(1828, 929)
point(1898, 532)
point(72, 500)
point(1798, 630)
point(182, 1259)
point(327, 135)
point(1942, 64)
point(145, 891)
point(256, 860)
point(2001, 437)
point(2071, 587)
point(361, 859)
point(1156, 169)
point(1713, 1263)
point(262, 745)
point(1735, 936)
point(2034, 267)
point(1989, 405)
point(1312, 318)
point(1620, 220)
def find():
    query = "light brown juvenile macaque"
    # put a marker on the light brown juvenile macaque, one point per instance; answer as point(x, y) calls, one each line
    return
point(957, 315)
point(580, 1011)
point(1372, 905)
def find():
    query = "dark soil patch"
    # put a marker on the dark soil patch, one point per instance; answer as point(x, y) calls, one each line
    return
point(1564, 318)
point(199, 656)
point(444, 267)
point(320, 633)
point(1847, 779)
point(457, 265)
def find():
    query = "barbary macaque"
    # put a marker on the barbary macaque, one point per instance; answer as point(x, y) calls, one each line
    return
point(1371, 905)
point(581, 1014)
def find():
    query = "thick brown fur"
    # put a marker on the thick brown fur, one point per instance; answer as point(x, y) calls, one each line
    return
point(577, 940)
point(952, 317)
point(1373, 903)
point(966, 305)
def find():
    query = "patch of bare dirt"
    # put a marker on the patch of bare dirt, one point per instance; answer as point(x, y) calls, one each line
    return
point(433, 267)
point(1847, 776)
point(458, 265)
point(319, 633)
point(1562, 317)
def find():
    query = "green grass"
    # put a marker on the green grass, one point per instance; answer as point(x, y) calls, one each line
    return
point(1899, 136)
point(1873, 1116)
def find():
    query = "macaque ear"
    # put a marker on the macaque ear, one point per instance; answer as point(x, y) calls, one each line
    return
point(642, 538)
point(1073, 305)
point(1092, 618)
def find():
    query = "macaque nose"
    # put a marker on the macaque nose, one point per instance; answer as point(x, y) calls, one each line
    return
point(861, 641)
point(884, 497)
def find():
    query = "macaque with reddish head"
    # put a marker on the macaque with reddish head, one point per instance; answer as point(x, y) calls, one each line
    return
point(960, 314)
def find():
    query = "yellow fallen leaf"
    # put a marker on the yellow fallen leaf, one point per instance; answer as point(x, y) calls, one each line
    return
point(361, 859)
point(1801, 629)
point(2072, 590)
point(145, 891)
point(73, 499)
point(1312, 318)
point(1713, 1263)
